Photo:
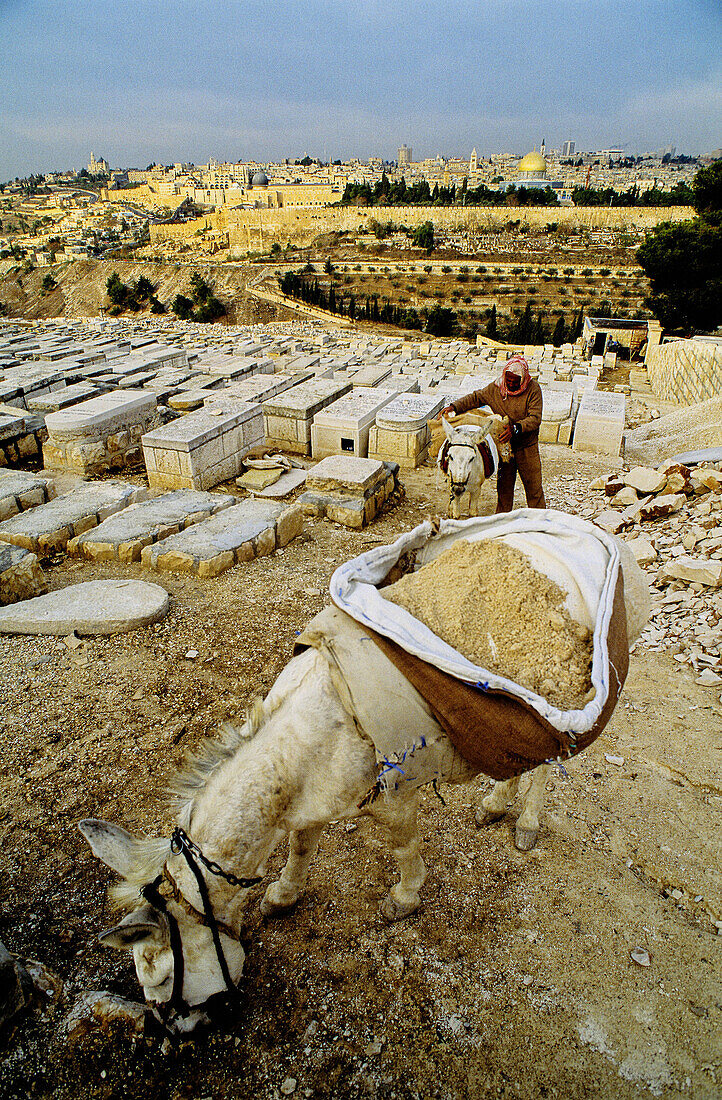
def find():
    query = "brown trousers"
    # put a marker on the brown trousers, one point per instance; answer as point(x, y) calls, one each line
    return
point(527, 461)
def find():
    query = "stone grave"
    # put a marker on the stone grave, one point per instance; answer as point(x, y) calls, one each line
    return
point(237, 534)
point(346, 490)
point(122, 537)
point(343, 427)
point(100, 434)
point(258, 388)
point(402, 433)
point(556, 415)
point(20, 491)
point(599, 425)
point(60, 399)
point(93, 607)
point(51, 526)
point(288, 416)
point(372, 374)
point(21, 577)
point(203, 448)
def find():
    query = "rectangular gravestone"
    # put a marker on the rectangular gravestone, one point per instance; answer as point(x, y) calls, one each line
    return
point(259, 388)
point(599, 425)
point(402, 432)
point(20, 491)
point(60, 399)
point(204, 448)
point(122, 537)
point(349, 491)
point(343, 427)
point(51, 526)
point(289, 415)
point(100, 434)
point(240, 533)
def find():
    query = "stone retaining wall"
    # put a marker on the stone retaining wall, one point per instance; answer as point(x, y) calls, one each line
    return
point(686, 371)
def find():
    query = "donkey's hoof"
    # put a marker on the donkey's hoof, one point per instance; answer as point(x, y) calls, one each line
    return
point(393, 910)
point(487, 817)
point(273, 905)
point(525, 839)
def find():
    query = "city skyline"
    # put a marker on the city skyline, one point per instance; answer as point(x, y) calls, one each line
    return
point(142, 83)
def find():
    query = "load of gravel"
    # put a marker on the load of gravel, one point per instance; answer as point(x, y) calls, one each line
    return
point(685, 429)
point(487, 601)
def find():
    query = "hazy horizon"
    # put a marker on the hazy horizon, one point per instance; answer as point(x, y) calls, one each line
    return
point(137, 83)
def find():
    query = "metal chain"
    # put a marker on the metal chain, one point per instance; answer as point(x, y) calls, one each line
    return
point(180, 840)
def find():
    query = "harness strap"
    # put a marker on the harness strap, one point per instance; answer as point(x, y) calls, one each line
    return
point(191, 910)
point(210, 921)
point(153, 896)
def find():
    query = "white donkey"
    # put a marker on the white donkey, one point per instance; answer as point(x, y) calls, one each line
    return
point(299, 762)
point(468, 456)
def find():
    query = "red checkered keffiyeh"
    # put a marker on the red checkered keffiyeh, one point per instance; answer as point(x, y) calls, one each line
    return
point(516, 365)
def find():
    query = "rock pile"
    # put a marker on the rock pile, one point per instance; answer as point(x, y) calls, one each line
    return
point(671, 516)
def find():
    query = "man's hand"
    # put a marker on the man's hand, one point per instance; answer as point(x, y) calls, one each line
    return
point(447, 412)
point(505, 434)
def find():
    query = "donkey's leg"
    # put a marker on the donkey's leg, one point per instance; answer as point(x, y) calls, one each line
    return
point(533, 787)
point(474, 499)
point(496, 803)
point(283, 894)
point(399, 815)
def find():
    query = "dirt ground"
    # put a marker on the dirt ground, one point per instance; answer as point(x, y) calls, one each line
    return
point(514, 979)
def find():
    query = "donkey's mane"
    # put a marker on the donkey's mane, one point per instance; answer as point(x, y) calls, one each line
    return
point(151, 853)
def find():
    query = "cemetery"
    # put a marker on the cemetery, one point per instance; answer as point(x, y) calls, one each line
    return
point(174, 502)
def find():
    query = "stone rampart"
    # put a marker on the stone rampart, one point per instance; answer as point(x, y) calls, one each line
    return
point(686, 371)
point(256, 230)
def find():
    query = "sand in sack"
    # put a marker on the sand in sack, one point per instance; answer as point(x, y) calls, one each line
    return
point(487, 601)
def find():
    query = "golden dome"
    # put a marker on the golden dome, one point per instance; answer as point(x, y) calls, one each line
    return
point(533, 162)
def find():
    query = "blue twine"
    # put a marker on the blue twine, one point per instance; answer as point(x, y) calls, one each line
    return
point(483, 685)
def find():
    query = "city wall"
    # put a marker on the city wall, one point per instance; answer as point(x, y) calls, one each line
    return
point(254, 230)
point(686, 371)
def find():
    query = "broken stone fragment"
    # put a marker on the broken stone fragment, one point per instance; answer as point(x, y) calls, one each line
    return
point(645, 480)
point(97, 1011)
point(662, 506)
point(643, 550)
point(705, 571)
point(16, 988)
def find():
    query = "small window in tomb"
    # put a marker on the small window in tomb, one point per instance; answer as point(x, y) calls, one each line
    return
point(347, 444)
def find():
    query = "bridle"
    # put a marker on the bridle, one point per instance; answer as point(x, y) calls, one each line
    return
point(181, 844)
point(486, 460)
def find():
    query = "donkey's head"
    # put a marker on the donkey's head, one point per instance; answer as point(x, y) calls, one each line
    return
point(459, 457)
point(176, 958)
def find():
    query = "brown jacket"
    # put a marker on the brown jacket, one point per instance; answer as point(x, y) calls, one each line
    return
point(524, 408)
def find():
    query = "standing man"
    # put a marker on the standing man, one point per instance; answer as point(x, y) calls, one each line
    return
point(518, 396)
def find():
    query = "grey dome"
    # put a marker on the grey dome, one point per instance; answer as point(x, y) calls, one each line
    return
point(260, 179)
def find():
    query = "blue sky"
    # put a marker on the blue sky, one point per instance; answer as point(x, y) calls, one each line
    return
point(241, 79)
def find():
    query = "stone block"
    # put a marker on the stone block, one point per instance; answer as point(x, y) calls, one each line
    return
point(21, 577)
point(548, 431)
point(204, 448)
point(240, 533)
point(407, 448)
point(343, 427)
point(20, 491)
point(78, 436)
point(565, 432)
point(599, 425)
point(123, 537)
point(50, 526)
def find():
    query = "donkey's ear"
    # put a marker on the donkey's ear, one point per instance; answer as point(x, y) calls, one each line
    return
point(142, 924)
point(115, 846)
point(448, 430)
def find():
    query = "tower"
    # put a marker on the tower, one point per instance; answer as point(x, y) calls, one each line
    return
point(473, 161)
point(543, 148)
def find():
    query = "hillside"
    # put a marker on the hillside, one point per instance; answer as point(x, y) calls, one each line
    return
point(80, 289)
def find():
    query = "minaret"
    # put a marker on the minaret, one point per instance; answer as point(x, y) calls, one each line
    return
point(473, 161)
point(543, 148)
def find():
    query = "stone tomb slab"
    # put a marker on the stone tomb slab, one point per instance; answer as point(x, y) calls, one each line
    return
point(346, 490)
point(203, 448)
point(289, 415)
point(259, 388)
point(402, 432)
point(101, 433)
point(343, 427)
point(123, 537)
point(94, 607)
point(60, 399)
point(237, 534)
point(20, 491)
point(599, 425)
point(21, 577)
point(51, 526)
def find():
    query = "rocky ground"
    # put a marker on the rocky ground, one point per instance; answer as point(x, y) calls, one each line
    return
point(586, 968)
